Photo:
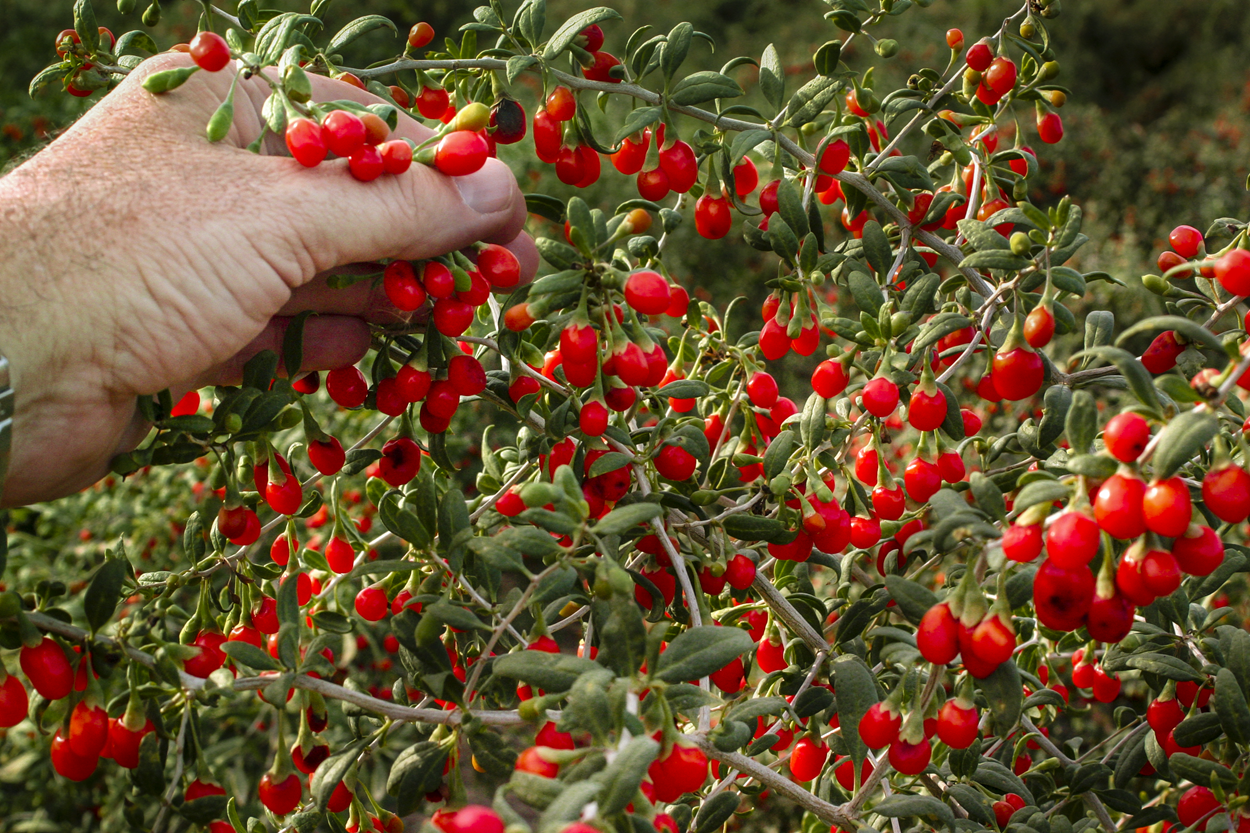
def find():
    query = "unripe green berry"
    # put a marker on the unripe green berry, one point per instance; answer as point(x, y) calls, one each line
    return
point(1020, 244)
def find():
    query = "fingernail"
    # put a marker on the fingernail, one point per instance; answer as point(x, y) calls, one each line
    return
point(489, 190)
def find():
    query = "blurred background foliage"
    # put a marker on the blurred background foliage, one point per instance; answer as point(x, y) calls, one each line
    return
point(1155, 137)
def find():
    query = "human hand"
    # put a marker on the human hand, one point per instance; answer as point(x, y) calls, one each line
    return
point(136, 256)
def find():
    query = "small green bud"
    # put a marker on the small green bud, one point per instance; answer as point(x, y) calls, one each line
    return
point(887, 47)
point(1156, 284)
point(152, 15)
point(1020, 244)
point(295, 81)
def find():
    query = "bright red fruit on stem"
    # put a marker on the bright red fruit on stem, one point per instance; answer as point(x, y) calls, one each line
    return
point(979, 56)
point(1232, 270)
point(601, 69)
point(209, 51)
point(910, 758)
point(306, 141)
point(647, 292)
point(880, 397)
point(401, 460)
point(937, 636)
point(1018, 373)
point(808, 758)
point(1062, 595)
point(48, 669)
point(68, 763)
point(1167, 507)
point(1186, 241)
point(282, 797)
point(420, 35)
point(1126, 436)
point(926, 412)
point(1118, 507)
point(958, 724)
point(879, 726)
point(461, 153)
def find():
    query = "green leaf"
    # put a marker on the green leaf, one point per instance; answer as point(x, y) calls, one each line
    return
point(978, 806)
point(204, 809)
point(635, 121)
point(85, 25)
point(1130, 762)
point(1198, 730)
point(745, 141)
point(624, 775)
point(813, 701)
point(531, 19)
point(149, 776)
point(1165, 666)
point(790, 207)
point(778, 453)
point(716, 811)
point(1040, 491)
point(50, 73)
point(906, 172)
point(913, 599)
point(248, 654)
point(1139, 380)
point(746, 527)
point(772, 77)
point(915, 806)
point(534, 790)
point(1200, 770)
point(625, 518)
point(400, 521)
point(1230, 705)
point(1005, 696)
point(551, 672)
point(994, 259)
point(810, 100)
point(675, 48)
point(704, 86)
point(573, 27)
point(1092, 465)
point(992, 774)
point(856, 693)
point(866, 292)
point(982, 236)
point(877, 248)
point(417, 771)
point(700, 651)
point(1192, 330)
point(1081, 422)
point(1182, 439)
point(359, 26)
point(988, 496)
point(568, 805)
point(455, 616)
point(611, 461)
point(941, 325)
point(105, 591)
point(684, 389)
point(288, 602)
point(517, 64)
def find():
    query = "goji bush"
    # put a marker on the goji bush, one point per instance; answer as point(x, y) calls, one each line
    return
point(668, 586)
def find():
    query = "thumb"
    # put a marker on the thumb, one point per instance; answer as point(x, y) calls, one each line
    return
point(325, 218)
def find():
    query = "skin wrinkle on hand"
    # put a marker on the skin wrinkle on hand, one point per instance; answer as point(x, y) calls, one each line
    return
point(201, 247)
